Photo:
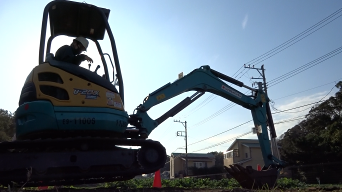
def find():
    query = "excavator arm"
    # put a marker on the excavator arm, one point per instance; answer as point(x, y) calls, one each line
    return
point(205, 79)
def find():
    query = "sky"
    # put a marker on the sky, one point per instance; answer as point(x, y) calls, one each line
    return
point(157, 40)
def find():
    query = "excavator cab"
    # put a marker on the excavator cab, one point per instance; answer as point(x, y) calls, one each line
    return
point(67, 87)
point(71, 126)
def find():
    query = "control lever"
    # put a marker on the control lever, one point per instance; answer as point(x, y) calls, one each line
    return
point(98, 67)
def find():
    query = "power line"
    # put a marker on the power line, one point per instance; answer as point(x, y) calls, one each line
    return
point(272, 113)
point(309, 104)
point(220, 133)
point(281, 111)
point(290, 120)
point(281, 79)
point(262, 58)
point(304, 67)
point(201, 105)
point(279, 122)
point(290, 42)
point(217, 113)
point(308, 89)
point(223, 142)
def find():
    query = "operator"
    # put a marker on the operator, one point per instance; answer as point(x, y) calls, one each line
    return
point(72, 54)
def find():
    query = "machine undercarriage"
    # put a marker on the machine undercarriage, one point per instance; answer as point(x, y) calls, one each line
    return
point(77, 160)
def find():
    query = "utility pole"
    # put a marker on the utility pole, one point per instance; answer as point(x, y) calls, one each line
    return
point(274, 146)
point(179, 133)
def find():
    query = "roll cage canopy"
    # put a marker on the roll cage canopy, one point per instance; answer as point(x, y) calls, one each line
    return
point(79, 19)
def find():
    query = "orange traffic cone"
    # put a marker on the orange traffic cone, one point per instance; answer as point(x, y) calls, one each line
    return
point(258, 167)
point(157, 180)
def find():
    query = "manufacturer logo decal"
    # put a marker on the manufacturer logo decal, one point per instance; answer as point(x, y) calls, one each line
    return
point(161, 96)
point(89, 93)
point(231, 91)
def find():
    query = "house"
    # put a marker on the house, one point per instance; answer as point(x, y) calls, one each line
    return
point(199, 160)
point(245, 152)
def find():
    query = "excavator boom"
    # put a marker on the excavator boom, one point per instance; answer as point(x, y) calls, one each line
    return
point(204, 80)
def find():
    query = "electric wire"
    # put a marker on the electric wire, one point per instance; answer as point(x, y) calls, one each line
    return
point(200, 106)
point(286, 120)
point(321, 100)
point(217, 113)
point(262, 58)
point(231, 139)
point(289, 42)
point(281, 111)
point(294, 71)
point(223, 142)
point(220, 133)
point(304, 67)
point(287, 75)
point(308, 89)
point(290, 120)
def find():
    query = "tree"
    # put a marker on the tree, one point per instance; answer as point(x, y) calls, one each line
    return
point(318, 138)
point(218, 158)
point(7, 125)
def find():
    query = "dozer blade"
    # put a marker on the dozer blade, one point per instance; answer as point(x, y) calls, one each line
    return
point(249, 178)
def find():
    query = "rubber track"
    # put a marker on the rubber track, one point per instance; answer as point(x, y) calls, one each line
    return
point(7, 147)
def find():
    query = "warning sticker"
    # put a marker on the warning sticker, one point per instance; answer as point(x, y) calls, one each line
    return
point(110, 98)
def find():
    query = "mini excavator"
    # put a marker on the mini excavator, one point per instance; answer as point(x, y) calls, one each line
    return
point(71, 126)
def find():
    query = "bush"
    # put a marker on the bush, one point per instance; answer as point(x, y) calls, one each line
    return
point(286, 183)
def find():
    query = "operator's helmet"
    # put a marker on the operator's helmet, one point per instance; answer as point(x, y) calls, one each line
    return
point(83, 41)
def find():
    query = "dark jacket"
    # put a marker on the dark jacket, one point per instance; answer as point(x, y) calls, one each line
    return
point(67, 54)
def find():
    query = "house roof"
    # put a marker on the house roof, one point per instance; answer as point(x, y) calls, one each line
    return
point(251, 145)
point(230, 147)
point(194, 155)
point(200, 159)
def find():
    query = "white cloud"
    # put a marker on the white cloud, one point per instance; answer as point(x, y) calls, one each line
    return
point(298, 112)
point(244, 22)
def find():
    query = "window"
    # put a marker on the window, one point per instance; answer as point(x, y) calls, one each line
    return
point(236, 152)
point(229, 155)
point(199, 164)
point(246, 155)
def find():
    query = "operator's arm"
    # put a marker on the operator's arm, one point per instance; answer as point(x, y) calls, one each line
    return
point(81, 57)
point(66, 54)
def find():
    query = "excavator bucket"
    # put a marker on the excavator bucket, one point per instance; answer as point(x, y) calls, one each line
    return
point(249, 178)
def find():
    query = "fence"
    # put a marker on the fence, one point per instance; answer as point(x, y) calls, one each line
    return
point(323, 173)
